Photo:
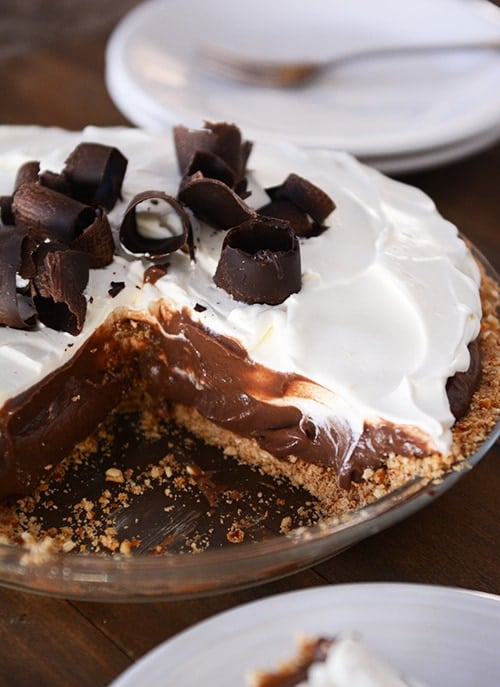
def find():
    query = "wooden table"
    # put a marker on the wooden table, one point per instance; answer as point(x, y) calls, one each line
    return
point(452, 542)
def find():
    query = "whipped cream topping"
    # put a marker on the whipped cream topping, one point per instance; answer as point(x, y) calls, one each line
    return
point(350, 663)
point(389, 299)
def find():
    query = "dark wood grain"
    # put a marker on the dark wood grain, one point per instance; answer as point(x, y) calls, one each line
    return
point(454, 541)
point(161, 620)
point(44, 642)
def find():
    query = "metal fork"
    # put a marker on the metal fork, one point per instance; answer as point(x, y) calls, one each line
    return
point(289, 74)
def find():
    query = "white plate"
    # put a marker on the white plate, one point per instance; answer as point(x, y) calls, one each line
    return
point(410, 161)
point(442, 636)
point(426, 158)
point(435, 157)
point(370, 109)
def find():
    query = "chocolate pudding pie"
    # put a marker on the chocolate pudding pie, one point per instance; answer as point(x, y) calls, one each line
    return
point(336, 662)
point(310, 316)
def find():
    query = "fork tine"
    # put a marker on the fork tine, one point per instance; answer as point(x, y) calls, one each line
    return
point(259, 73)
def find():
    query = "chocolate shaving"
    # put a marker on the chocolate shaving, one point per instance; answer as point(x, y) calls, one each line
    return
point(214, 202)
point(260, 262)
point(11, 242)
point(305, 196)
point(230, 146)
point(188, 142)
point(94, 173)
point(97, 241)
point(49, 214)
point(219, 140)
point(213, 163)
point(284, 209)
point(155, 249)
point(6, 215)
point(55, 181)
point(27, 269)
point(61, 276)
point(61, 231)
point(211, 166)
point(27, 172)
point(116, 287)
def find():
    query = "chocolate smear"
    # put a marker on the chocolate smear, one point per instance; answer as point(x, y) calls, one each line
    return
point(49, 214)
point(155, 248)
point(61, 276)
point(154, 272)
point(11, 315)
point(304, 196)
point(260, 262)
point(95, 173)
point(214, 202)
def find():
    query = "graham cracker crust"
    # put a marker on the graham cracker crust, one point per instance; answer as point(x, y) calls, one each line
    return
point(91, 526)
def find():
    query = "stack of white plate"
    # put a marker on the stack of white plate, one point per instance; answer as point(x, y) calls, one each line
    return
point(443, 636)
point(398, 114)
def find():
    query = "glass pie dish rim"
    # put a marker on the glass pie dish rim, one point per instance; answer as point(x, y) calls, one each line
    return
point(104, 577)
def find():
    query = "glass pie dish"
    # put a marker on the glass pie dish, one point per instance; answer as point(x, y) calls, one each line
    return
point(274, 544)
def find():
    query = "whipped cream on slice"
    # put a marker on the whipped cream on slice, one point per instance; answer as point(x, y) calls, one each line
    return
point(389, 299)
point(349, 663)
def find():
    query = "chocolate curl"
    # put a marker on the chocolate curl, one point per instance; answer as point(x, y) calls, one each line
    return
point(61, 276)
point(221, 140)
point(211, 166)
point(230, 146)
point(49, 214)
point(214, 202)
point(97, 241)
point(305, 196)
point(6, 215)
point(27, 270)
point(283, 209)
point(11, 241)
point(188, 142)
point(57, 182)
point(260, 262)
point(155, 249)
point(95, 174)
point(27, 172)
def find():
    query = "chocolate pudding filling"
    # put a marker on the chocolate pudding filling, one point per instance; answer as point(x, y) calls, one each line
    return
point(295, 671)
point(181, 362)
